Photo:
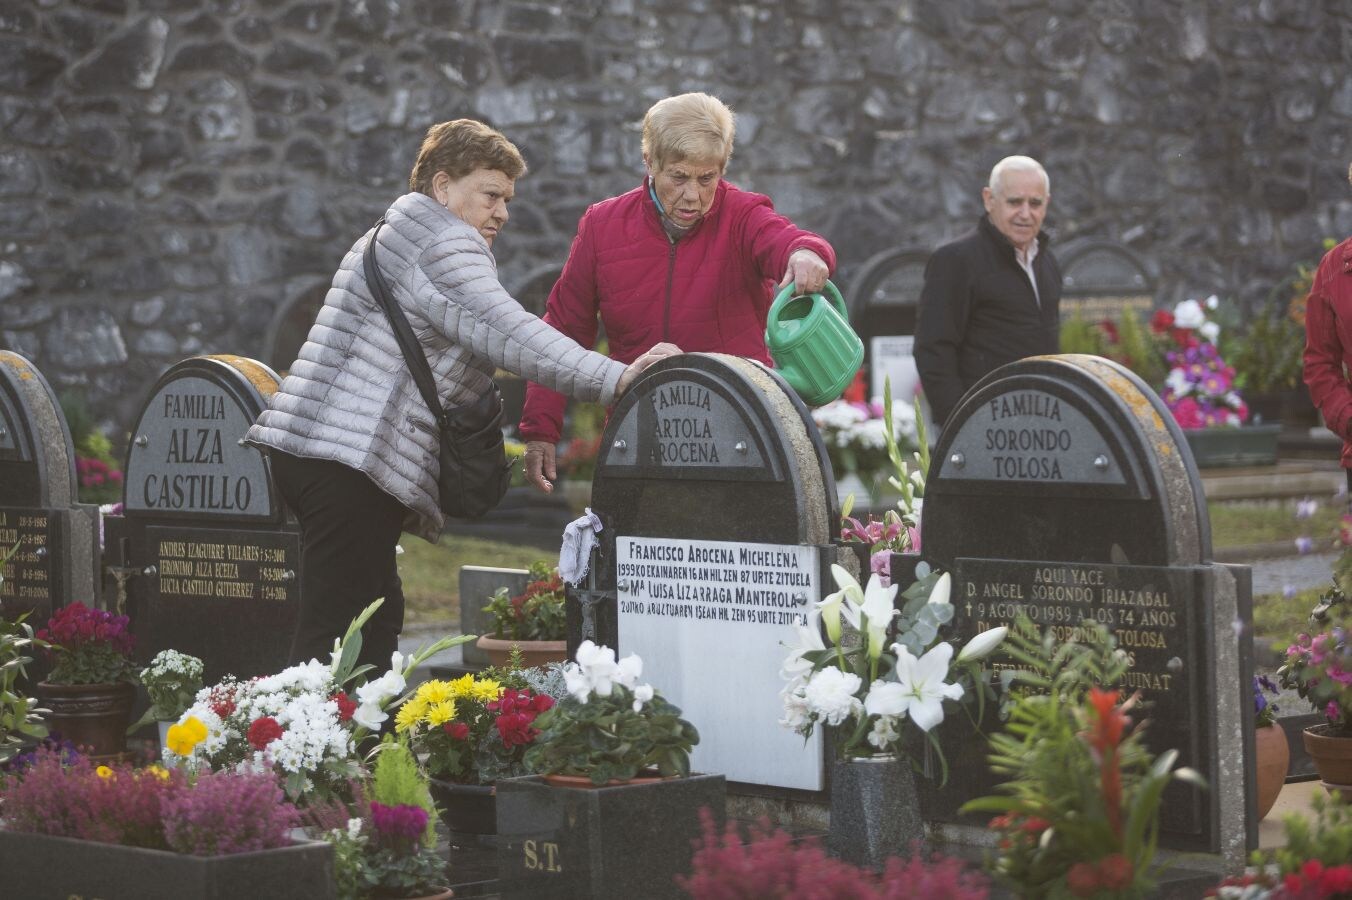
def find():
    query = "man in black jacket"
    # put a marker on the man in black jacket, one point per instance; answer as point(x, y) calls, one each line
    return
point(991, 296)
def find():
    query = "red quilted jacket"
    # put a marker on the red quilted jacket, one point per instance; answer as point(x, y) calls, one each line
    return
point(708, 292)
point(1328, 342)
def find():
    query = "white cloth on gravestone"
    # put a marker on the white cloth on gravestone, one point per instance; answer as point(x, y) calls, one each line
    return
point(579, 539)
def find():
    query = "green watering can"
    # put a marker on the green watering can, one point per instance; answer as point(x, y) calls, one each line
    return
point(812, 344)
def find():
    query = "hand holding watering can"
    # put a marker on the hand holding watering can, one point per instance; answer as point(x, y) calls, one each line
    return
point(812, 344)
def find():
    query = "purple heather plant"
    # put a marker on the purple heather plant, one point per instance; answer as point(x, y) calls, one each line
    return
point(228, 812)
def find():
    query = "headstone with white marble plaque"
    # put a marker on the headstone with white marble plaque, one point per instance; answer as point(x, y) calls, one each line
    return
point(718, 510)
point(53, 537)
point(206, 551)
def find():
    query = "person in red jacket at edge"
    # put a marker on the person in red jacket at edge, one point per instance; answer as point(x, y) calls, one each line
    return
point(685, 258)
point(1328, 346)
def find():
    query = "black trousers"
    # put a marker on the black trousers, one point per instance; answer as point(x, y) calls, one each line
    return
point(349, 528)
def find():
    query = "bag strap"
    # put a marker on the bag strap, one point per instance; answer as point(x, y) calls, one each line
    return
point(414, 356)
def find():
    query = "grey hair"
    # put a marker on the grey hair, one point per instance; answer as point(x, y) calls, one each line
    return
point(1018, 164)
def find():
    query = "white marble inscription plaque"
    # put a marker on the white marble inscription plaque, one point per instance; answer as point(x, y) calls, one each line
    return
point(711, 619)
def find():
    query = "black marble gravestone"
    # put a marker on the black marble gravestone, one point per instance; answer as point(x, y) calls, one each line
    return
point(1063, 489)
point(208, 554)
point(57, 559)
point(1104, 280)
point(718, 511)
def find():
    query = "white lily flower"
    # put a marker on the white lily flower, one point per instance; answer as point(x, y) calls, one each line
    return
point(878, 607)
point(809, 639)
point(923, 687)
point(981, 646)
point(886, 698)
point(797, 715)
point(830, 605)
point(577, 682)
point(941, 590)
point(885, 732)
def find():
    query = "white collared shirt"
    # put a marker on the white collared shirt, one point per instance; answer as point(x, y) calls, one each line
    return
point(1025, 260)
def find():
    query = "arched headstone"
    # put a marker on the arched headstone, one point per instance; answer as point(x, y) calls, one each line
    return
point(1063, 489)
point(718, 512)
point(57, 560)
point(884, 307)
point(1104, 280)
point(210, 550)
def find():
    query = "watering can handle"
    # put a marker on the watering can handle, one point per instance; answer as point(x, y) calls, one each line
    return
point(786, 294)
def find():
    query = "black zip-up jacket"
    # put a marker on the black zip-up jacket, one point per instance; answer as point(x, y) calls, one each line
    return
point(978, 312)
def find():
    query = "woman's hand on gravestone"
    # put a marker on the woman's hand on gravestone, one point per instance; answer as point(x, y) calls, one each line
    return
point(539, 462)
point(659, 351)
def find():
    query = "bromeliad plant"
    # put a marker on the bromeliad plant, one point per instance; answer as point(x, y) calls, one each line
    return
point(536, 614)
point(610, 727)
point(89, 646)
point(867, 689)
point(171, 680)
point(301, 723)
point(473, 730)
point(1079, 813)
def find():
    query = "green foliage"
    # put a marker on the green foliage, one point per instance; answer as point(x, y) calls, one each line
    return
point(1328, 838)
point(1079, 336)
point(536, 614)
point(605, 739)
point(172, 681)
point(1138, 352)
point(1269, 355)
point(1080, 806)
point(397, 780)
point(20, 717)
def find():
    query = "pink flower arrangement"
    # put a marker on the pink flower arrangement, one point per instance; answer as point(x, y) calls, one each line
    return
point(156, 808)
point(1319, 667)
point(1200, 387)
point(89, 646)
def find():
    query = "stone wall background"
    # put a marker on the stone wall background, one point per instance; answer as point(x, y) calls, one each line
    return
point(177, 174)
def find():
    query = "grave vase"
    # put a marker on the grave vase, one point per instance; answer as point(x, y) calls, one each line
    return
point(90, 715)
point(1272, 757)
point(1331, 751)
point(875, 812)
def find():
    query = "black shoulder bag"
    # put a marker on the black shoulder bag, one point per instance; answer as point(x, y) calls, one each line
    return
point(474, 469)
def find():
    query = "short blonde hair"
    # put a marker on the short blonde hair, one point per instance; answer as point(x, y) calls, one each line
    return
point(459, 147)
point(688, 127)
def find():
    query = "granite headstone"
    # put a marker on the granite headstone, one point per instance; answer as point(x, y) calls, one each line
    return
point(1104, 280)
point(57, 559)
point(1063, 489)
point(211, 553)
point(718, 509)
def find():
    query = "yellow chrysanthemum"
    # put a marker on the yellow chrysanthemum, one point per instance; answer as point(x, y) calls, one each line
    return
point(487, 689)
point(440, 713)
point(436, 691)
point(463, 686)
point(103, 772)
point(159, 772)
point(185, 735)
point(409, 714)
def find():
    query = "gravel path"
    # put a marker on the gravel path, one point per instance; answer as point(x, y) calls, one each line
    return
point(1271, 576)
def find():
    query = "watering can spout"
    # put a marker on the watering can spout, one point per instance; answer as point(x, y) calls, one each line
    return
point(812, 344)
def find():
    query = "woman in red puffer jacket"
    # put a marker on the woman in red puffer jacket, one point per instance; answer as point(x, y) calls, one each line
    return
point(684, 258)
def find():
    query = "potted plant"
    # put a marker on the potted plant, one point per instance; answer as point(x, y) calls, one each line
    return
point(1319, 668)
point(533, 620)
point(92, 684)
point(1272, 755)
point(1316, 860)
point(617, 808)
point(75, 828)
point(387, 850)
point(304, 723)
point(869, 691)
point(20, 716)
point(171, 681)
point(471, 732)
point(1079, 811)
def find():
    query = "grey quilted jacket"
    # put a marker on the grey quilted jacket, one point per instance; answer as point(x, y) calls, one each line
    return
point(349, 396)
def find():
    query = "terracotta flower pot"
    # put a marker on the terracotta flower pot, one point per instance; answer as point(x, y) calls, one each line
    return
point(533, 653)
point(92, 716)
point(1331, 750)
point(1272, 759)
point(582, 781)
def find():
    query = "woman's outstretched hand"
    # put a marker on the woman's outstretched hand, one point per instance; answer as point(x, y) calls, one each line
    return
point(659, 351)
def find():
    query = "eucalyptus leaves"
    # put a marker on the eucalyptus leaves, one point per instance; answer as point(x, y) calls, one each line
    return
point(856, 682)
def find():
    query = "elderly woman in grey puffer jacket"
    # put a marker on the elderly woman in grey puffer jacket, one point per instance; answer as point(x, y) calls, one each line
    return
point(353, 447)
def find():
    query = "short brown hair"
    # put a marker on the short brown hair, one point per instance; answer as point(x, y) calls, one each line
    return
point(459, 147)
point(692, 127)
